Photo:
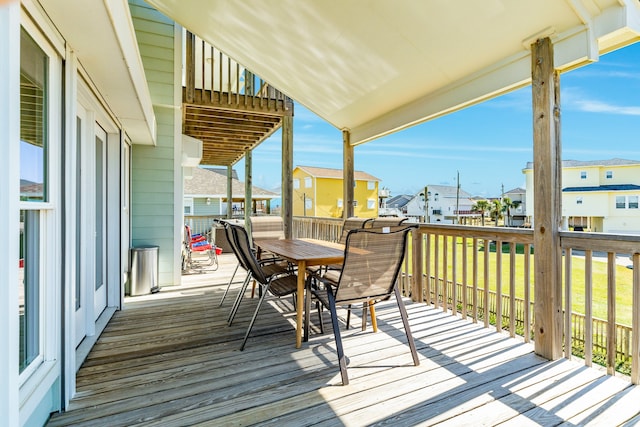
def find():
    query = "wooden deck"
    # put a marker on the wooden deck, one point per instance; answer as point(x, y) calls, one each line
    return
point(169, 359)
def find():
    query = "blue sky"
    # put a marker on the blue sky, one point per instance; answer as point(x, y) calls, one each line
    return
point(489, 144)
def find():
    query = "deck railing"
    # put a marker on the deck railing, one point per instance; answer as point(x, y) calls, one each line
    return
point(224, 81)
point(493, 269)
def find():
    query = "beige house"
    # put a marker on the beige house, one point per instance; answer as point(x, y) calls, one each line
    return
point(597, 195)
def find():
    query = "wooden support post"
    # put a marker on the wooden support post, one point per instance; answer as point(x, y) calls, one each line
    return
point(248, 202)
point(229, 192)
point(348, 174)
point(287, 175)
point(190, 66)
point(547, 196)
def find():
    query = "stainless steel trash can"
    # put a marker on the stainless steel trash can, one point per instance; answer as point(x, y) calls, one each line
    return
point(144, 270)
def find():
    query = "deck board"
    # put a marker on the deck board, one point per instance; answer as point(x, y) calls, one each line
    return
point(170, 359)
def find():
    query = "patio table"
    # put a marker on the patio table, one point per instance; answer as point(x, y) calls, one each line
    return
point(304, 253)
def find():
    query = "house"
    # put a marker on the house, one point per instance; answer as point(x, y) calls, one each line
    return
point(444, 204)
point(318, 192)
point(93, 111)
point(516, 215)
point(205, 193)
point(396, 205)
point(597, 195)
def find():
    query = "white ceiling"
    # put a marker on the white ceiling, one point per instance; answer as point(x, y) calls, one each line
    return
point(377, 66)
point(101, 34)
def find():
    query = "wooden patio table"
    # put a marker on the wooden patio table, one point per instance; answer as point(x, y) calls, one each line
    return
point(304, 252)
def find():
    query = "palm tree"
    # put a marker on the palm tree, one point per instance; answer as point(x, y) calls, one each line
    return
point(481, 206)
point(507, 205)
point(496, 210)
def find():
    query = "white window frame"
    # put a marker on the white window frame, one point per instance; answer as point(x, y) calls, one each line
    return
point(187, 203)
point(308, 182)
point(339, 203)
point(608, 174)
point(635, 202)
point(296, 183)
point(371, 185)
point(624, 202)
point(371, 204)
point(579, 200)
point(583, 174)
point(41, 372)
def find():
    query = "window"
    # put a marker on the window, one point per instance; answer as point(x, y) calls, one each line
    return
point(371, 204)
point(609, 174)
point(188, 205)
point(308, 203)
point(355, 203)
point(583, 175)
point(621, 202)
point(37, 221)
point(296, 183)
point(371, 185)
point(340, 203)
point(578, 200)
point(307, 182)
point(633, 202)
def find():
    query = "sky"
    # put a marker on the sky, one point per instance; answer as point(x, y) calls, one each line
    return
point(488, 144)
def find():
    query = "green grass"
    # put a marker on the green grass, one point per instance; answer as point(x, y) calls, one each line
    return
point(623, 288)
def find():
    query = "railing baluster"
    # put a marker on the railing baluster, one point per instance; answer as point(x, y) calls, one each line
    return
point(512, 289)
point(611, 313)
point(635, 322)
point(588, 302)
point(486, 306)
point(464, 278)
point(475, 280)
point(436, 270)
point(567, 303)
point(498, 285)
point(454, 286)
point(527, 292)
point(445, 273)
point(427, 267)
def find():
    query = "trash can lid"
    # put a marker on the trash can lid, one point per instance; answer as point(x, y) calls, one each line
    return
point(145, 247)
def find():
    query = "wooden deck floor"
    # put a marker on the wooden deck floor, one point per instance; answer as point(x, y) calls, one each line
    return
point(169, 359)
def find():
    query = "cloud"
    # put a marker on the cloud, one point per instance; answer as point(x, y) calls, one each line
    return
point(593, 106)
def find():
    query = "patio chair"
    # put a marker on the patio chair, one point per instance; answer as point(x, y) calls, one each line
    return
point(352, 223)
point(277, 283)
point(270, 266)
point(386, 221)
point(371, 265)
point(200, 246)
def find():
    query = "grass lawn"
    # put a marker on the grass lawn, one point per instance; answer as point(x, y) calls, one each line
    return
point(599, 278)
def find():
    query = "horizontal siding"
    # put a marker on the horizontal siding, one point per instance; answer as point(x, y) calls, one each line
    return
point(154, 168)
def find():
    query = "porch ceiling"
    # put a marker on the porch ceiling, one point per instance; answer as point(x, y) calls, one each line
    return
point(376, 67)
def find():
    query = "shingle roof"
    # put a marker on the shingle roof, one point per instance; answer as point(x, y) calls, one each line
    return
point(211, 183)
point(447, 191)
point(613, 187)
point(398, 201)
point(336, 173)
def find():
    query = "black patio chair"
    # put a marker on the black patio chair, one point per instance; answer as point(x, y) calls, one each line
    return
point(278, 283)
point(369, 274)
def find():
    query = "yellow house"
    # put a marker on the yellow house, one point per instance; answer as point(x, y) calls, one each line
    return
point(318, 192)
point(599, 195)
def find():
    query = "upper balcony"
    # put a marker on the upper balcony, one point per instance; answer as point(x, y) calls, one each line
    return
point(225, 105)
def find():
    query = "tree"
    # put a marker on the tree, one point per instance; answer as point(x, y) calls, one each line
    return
point(507, 205)
point(496, 210)
point(481, 206)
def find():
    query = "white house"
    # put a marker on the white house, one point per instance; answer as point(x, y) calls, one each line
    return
point(597, 195)
point(444, 204)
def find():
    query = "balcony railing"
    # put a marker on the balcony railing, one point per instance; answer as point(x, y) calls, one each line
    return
point(493, 270)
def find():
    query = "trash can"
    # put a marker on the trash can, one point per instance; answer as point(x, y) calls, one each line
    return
point(144, 270)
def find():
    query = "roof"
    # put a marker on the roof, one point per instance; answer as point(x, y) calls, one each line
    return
point(593, 163)
point(336, 173)
point(221, 171)
point(447, 191)
point(517, 190)
point(613, 187)
point(208, 183)
point(398, 201)
point(374, 67)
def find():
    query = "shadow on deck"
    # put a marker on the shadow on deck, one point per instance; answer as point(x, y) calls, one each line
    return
point(170, 359)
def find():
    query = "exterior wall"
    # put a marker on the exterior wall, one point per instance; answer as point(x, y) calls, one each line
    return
point(301, 193)
point(594, 203)
point(156, 171)
point(571, 176)
point(329, 195)
point(201, 208)
point(362, 194)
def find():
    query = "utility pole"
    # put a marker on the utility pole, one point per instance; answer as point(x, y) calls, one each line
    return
point(304, 203)
point(458, 198)
point(426, 204)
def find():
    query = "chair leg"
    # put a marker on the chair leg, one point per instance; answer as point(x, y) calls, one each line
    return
point(374, 321)
point(405, 322)
point(342, 362)
point(238, 300)
point(348, 316)
point(253, 319)
point(319, 307)
point(226, 291)
point(365, 308)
